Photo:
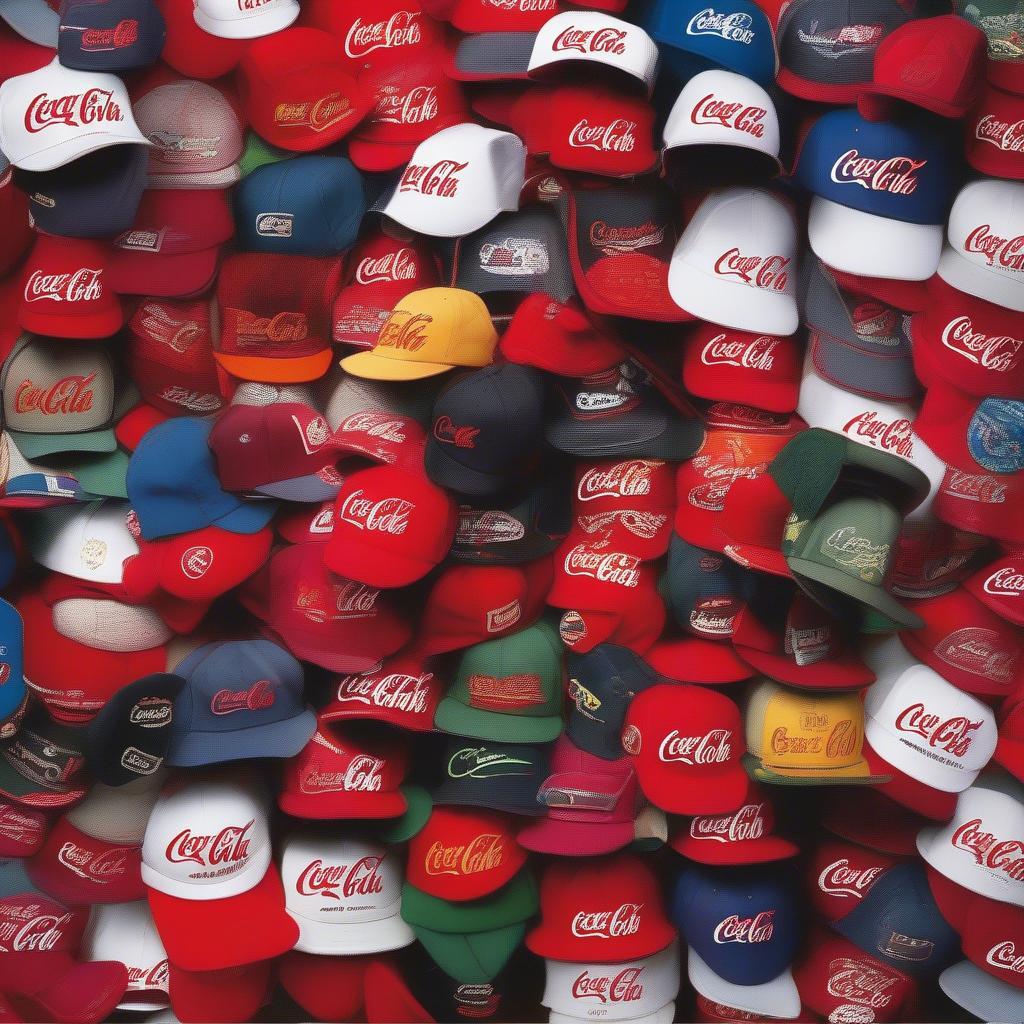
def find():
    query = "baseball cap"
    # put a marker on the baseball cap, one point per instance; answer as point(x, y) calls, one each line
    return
point(95, 196)
point(980, 995)
point(975, 502)
point(616, 899)
point(891, 219)
point(344, 894)
point(458, 180)
point(346, 770)
point(22, 830)
point(129, 737)
point(686, 743)
point(33, 20)
point(206, 861)
point(275, 316)
point(54, 115)
point(17, 238)
point(192, 51)
point(979, 258)
point(508, 689)
point(226, 20)
point(735, 264)
point(90, 541)
point(241, 699)
point(742, 931)
point(195, 133)
point(841, 873)
point(324, 986)
point(992, 133)
point(231, 991)
point(1000, 587)
point(795, 737)
point(173, 485)
point(281, 450)
point(41, 765)
point(402, 690)
point(430, 331)
point(502, 776)
point(990, 936)
point(868, 817)
point(112, 35)
point(691, 659)
point(308, 206)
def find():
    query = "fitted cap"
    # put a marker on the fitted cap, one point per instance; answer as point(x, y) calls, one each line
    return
point(54, 115)
point(735, 264)
point(344, 894)
point(112, 35)
point(459, 179)
point(227, 20)
point(993, 133)
point(502, 776)
point(90, 541)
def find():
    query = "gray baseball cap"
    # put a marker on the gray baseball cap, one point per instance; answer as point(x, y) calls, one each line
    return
point(34, 20)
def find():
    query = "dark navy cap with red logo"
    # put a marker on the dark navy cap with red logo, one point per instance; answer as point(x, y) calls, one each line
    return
point(110, 35)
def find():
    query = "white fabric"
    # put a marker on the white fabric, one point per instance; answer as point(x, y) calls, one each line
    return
point(89, 542)
point(229, 20)
point(776, 998)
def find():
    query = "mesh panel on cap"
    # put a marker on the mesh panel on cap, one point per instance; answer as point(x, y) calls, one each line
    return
point(118, 814)
point(109, 625)
point(495, 54)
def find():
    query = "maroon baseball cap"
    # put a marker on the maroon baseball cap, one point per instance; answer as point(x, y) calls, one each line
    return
point(994, 134)
point(403, 691)
point(231, 993)
point(22, 830)
point(980, 503)
point(326, 987)
point(337, 623)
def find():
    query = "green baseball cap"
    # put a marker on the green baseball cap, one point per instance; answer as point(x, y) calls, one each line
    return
point(103, 475)
point(418, 806)
point(848, 547)
point(811, 465)
point(258, 152)
point(508, 690)
point(472, 941)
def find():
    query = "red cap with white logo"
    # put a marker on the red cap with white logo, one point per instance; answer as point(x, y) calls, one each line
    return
point(601, 910)
point(463, 853)
point(344, 894)
point(992, 936)
point(206, 859)
point(22, 830)
point(1000, 587)
point(346, 771)
point(592, 574)
point(980, 503)
point(686, 743)
point(55, 115)
point(840, 874)
point(994, 134)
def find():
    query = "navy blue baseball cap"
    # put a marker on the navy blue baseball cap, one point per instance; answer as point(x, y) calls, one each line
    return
point(110, 35)
point(695, 35)
point(309, 206)
point(241, 699)
point(881, 195)
point(13, 693)
point(602, 682)
point(173, 487)
point(95, 196)
point(504, 776)
point(743, 928)
point(899, 922)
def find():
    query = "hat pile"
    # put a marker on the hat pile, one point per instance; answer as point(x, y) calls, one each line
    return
point(512, 510)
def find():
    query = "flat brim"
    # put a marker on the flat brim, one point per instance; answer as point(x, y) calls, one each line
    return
point(754, 851)
point(83, 144)
point(575, 838)
point(371, 366)
point(858, 774)
point(249, 517)
point(847, 365)
point(472, 959)
point(908, 791)
point(846, 673)
point(309, 489)
point(777, 998)
point(264, 24)
point(864, 243)
point(145, 273)
point(980, 994)
point(761, 559)
point(35, 446)
point(449, 472)
point(105, 475)
point(708, 792)
point(343, 938)
point(268, 370)
point(277, 739)
point(33, 20)
point(461, 720)
point(654, 433)
point(979, 281)
point(695, 660)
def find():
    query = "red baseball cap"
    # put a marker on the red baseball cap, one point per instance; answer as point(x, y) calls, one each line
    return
point(868, 817)
point(275, 316)
point(740, 837)
point(931, 557)
point(297, 91)
point(967, 644)
point(637, 625)
point(632, 500)
point(80, 869)
point(346, 772)
point(992, 937)
point(725, 365)
point(974, 345)
point(469, 604)
point(306, 523)
point(134, 425)
point(391, 527)
point(994, 134)
point(1010, 745)
point(388, 997)
point(173, 246)
point(191, 51)
point(908, 791)
point(339, 624)
point(979, 503)
point(839, 874)
point(388, 437)
point(593, 575)
point(66, 290)
point(909, 296)
point(615, 899)
point(22, 830)
point(326, 987)
point(1000, 587)
point(229, 994)
point(558, 337)
point(693, 659)
point(463, 853)
point(486, 16)
point(382, 270)
point(687, 743)
point(402, 691)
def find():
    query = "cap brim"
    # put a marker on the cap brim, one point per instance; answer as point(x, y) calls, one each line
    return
point(145, 273)
point(371, 366)
point(909, 792)
point(336, 806)
point(224, 178)
point(65, 152)
point(33, 20)
point(473, 959)
point(449, 472)
point(277, 371)
point(979, 281)
point(845, 673)
point(352, 939)
point(929, 772)
point(696, 660)
point(25, 791)
point(308, 489)
point(708, 792)
point(35, 446)
point(777, 998)
point(846, 366)
point(858, 774)
point(98, 985)
point(461, 720)
point(105, 475)
point(575, 838)
point(753, 851)
point(278, 739)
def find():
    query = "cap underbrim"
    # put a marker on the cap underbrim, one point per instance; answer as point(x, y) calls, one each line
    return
point(459, 719)
point(371, 366)
point(35, 446)
point(300, 370)
point(249, 517)
point(352, 938)
point(475, 958)
point(449, 472)
point(65, 152)
point(308, 489)
point(33, 20)
point(776, 998)
point(858, 774)
point(847, 365)
point(334, 806)
point(277, 739)
point(979, 993)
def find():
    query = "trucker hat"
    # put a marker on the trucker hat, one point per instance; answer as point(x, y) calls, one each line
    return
point(112, 35)
point(999, 586)
point(401, 690)
point(503, 776)
point(226, 20)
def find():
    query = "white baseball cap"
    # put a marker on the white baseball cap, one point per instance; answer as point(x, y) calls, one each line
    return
point(984, 256)
point(34, 20)
point(988, 814)
point(928, 729)
point(109, 625)
point(721, 108)
point(41, 116)
point(344, 894)
point(736, 262)
point(776, 998)
point(230, 19)
point(458, 180)
point(595, 38)
point(582, 991)
point(89, 542)
point(981, 995)
point(126, 933)
point(118, 814)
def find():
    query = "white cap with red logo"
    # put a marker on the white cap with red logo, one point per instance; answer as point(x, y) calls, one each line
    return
point(344, 894)
point(244, 19)
point(736, 262)
point(458, 180)
point(982, 846)
point(54, 115)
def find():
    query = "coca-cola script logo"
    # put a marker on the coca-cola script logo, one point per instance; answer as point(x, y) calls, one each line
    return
point(740, 117)
point(82, 285)
point(840, 879)
point(749, 354)
point(77, 110)
point(228, 846)
point(395, 691)
point(1005, 582)
point(417, 105)
point(606, 39)
point(768, 272)
point(408, 332)
point(896, 175)
point(734, 26)
point(317, 116)
point(861, 982)
point(257, 697)
point(980, 651)
point(622, 987)
point(1006, 253)
point(756, 929)
point(65, 397)
point(1007, 136)
point(483, 853)
point(447, 432)
point(617, 136)
point(100, 867)
point(630, 479)
point(281, 328)
point(26, 930)
point(392, 267)
point(953, 735)
point(998, 352)
point(1002, 855)
point(384, 515)
point(341, 881)
point(366, 37)
point(1004, 955)
point(713, 747)
point(604, 566)
point(440, 180)
point(124, 33)
point(614, 240)
point(748, 823)
point(608, 924)
point(894, 436)
point(155, 978)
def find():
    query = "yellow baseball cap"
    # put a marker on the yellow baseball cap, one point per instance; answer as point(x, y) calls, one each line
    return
point(800, 737)
point(429, 332)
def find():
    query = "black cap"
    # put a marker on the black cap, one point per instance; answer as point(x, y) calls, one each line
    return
point(505, 776)
point(130, 736)
point(95, 196)
point(601, 685)
point(487, 430)
point(110, 35)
